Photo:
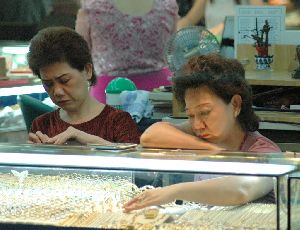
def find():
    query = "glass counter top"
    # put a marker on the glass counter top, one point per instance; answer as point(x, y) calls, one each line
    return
point(143, 159)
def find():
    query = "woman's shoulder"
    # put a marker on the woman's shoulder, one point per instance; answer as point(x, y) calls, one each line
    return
point(47, 116)
point(112, 110)
point(113, 113)
point(256, 142)
point(118, 120)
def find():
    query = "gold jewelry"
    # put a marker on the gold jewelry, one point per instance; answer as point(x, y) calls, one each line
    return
point(151, 213)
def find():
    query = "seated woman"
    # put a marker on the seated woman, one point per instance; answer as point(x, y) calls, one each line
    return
point(60, 57)
point(218, 103)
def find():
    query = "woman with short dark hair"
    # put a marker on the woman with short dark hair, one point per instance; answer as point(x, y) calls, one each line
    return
point(61, 58)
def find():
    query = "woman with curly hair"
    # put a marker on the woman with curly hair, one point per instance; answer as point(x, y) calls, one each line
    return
point(218, 103)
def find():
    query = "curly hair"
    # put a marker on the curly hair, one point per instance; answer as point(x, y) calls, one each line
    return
point(224, 77)
point(59, 44)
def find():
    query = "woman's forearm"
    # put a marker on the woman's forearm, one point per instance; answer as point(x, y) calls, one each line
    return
point(196, 12)
point(165, 135)
point(224, 191)
point(82, 26)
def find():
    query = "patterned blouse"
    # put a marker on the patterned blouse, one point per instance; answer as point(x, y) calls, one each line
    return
point(123, 44)
point(111, 124)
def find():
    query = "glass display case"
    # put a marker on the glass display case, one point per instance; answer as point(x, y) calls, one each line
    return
point(15, 55)
point(84, 187)
point(294, 200)
point(17, 78)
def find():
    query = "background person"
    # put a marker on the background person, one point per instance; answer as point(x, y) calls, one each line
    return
point(212, 12)
point(218, 104)
point(127, 39)
point(60, 57)
point(185, 8)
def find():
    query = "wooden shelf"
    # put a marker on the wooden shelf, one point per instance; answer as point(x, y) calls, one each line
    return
point(271, 78)
point(285, 117)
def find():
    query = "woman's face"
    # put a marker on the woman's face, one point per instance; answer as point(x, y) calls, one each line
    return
point(210, 118)
point(66, 86)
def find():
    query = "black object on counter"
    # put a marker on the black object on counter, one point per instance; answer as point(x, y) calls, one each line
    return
point(296, 72)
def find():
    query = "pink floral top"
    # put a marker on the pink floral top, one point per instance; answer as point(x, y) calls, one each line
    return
point(123, 44)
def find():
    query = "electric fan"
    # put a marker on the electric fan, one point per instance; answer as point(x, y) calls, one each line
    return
point(188, 42)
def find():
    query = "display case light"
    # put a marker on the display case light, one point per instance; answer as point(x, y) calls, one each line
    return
point(4, 92)
point(15, 49)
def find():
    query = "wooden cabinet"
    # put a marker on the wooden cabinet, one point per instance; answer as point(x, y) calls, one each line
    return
point(275, 80)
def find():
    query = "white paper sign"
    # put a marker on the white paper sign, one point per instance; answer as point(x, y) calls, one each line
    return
point(250, 20)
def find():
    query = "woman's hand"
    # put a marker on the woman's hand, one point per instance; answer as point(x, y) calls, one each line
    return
point(149, 198)
point(77, 135)
point(37, 138)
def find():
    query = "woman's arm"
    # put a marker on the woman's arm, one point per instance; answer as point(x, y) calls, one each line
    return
point(193, 16)
point(227, 190)
point(124, 129)
point(82, 26)
point(166, 135)
point(223, 191)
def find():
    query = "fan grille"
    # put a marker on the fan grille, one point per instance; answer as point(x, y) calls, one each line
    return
point(188, 42)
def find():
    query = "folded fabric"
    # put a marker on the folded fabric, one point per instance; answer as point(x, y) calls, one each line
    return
point(11, 118)
point(137, 104)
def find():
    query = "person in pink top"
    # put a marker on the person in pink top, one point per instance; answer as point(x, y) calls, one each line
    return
point(218, 103)
point(127, 39)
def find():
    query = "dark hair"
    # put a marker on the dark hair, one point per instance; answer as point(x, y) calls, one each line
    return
point(59, 44)
point(224, 77)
